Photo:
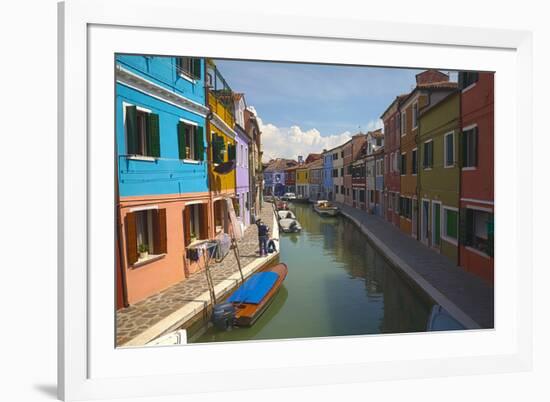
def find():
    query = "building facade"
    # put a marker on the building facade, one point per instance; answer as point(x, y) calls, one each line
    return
point(431, 86)
point(351, 150)
point(164, 202)
point(275, 176)
point(439, 176)
point(392, 144)
point(243, 142)
point(255, 175)
point(477, 174)
point(379, 201)
point(359, 179)
point(302, 181)
point(338, 172)
point(315, 177)
point(290, 179)
point(327, 188)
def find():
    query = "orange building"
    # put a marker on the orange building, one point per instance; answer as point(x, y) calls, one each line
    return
point(431, 86)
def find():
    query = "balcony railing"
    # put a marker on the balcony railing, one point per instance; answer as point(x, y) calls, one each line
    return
point(221, 108)
point(220, 94)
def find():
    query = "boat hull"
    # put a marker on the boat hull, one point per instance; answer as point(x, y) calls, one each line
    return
point(327, 212)
point(246, 313)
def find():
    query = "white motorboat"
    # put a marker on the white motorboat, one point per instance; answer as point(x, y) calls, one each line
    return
point(325, 208)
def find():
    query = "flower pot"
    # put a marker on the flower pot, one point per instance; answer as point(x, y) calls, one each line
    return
point(143, 255)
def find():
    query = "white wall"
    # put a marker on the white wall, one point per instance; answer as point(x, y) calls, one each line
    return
point(28, 336)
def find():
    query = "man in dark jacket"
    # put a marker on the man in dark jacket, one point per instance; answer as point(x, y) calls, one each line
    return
point(263, 231)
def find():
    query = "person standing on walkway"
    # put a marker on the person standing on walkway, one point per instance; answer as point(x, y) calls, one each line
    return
point(263, 231)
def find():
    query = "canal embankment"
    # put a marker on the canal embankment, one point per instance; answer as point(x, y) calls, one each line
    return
point(466, 297)
point(189, 301)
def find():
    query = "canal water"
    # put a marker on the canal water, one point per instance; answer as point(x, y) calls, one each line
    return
point(337, 284)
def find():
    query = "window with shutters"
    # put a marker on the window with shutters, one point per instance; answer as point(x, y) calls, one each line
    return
point(335, 189)
point(415, 115)
point(190, 141)
point(342, 190)
point(218, 148)
point(414, 161)
point(403, 123)
point(469, 148)
point(142, 132)
point(405, 207)
point(403, 164)
point(428, 155)
point(449, 149)
point(189, 67)
point(195, 223)
point(450, 224)
point(341, 172)
point(145, 235)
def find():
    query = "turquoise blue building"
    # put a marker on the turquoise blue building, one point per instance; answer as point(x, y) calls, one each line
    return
point(164, 205)
point(160, 103)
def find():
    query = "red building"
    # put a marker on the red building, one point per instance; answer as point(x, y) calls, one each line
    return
point(351, 151)
point(477, 174)
point(392, 177)
point(290, 179)
point(359, 179)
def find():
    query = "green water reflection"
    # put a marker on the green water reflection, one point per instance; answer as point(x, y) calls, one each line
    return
point(337, 284)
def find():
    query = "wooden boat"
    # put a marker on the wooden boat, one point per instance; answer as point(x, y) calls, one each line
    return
point(289, 225)
point(251, 299)
point(325, 208)
point(285, 215)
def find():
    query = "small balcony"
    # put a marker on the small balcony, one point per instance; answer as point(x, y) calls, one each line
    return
point(220, 95)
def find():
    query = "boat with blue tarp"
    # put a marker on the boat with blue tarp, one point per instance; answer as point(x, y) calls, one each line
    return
point(251, 299)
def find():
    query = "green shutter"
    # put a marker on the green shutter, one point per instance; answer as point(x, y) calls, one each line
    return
point(131, 130)
point(197, 68)
point(452, 224)
point(199, 144)
point(181, 140)
point(153, 135)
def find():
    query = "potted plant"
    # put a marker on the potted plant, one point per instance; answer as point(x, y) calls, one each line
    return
point(143, 251)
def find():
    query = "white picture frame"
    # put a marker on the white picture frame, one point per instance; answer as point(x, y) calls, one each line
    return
point(89, 368)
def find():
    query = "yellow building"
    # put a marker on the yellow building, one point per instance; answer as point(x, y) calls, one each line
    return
point(221, 144)
point(302, 181)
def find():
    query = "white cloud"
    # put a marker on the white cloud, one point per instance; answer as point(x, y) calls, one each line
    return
point(374, 125)
point(290, 142)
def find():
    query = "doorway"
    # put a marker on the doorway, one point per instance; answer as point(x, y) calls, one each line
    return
point(424, 235)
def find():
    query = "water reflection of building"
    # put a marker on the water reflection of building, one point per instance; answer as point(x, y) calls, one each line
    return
point(404, 311)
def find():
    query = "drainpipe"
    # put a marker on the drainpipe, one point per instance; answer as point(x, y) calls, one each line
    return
point(119, 240)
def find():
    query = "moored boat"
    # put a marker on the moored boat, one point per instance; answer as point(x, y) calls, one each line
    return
point(285, 215)
point(281, 205)
point(289, 225)
point(325, 208)
point(251, 299)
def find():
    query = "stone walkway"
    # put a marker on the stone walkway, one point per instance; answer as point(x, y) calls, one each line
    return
point(135, 319)
point(463, 293)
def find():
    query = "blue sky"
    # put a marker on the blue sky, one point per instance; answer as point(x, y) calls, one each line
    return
point(307, 107)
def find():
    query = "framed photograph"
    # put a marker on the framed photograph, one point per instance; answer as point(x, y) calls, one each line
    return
point(295, 204)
